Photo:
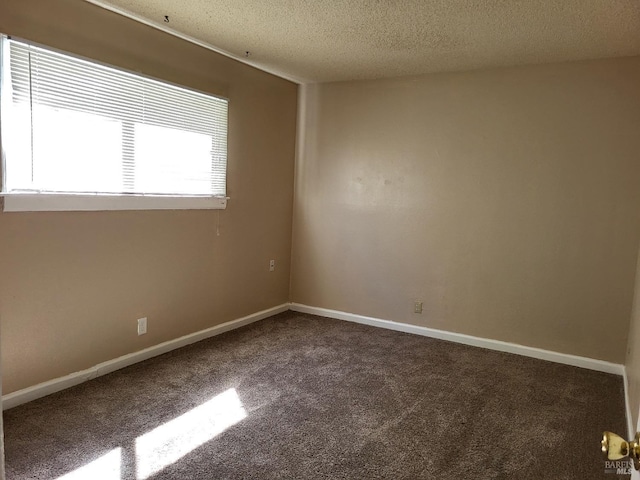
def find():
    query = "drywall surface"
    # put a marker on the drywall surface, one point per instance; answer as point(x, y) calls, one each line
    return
point(506, 200)
point(329, 40)
point(73, 284)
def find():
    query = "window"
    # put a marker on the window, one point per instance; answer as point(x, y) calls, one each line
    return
point(77, 135)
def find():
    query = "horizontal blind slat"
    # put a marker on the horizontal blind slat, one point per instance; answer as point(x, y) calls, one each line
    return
point(115, 129)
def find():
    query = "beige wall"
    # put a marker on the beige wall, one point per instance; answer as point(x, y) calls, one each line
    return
point(73, 284)
point(505, 200)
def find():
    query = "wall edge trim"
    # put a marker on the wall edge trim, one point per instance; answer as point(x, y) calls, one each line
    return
point(40, 390)
point(631, 432)
point(490, 344)
point(188, 38)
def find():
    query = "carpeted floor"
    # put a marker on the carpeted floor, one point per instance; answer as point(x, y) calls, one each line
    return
point(303, 397)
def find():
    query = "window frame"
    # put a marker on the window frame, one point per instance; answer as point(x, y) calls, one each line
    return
point(81, 201)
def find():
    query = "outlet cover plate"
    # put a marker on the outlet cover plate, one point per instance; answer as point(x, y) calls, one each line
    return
point(142, 326)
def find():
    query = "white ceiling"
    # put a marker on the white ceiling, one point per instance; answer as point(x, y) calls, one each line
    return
point(329, 40)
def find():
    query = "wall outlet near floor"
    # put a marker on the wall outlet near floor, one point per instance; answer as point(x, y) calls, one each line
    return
point(417, 307)
point(272, 265)
point(142, 326)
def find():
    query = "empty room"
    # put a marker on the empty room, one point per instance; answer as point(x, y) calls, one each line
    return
point(319, 240)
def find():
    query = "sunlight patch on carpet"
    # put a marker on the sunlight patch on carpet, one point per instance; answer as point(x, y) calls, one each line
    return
point(106, 467)
point(173, 440)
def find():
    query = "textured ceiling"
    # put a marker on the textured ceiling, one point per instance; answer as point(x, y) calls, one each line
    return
point(327, 40)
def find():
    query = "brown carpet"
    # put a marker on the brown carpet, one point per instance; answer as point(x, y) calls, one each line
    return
point(324, 399)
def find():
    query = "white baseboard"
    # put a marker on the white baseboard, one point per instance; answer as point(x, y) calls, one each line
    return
point(37, 391)
point(52, 386)
point(574, 360)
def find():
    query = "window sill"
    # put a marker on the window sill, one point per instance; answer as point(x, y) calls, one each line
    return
point(51, 202)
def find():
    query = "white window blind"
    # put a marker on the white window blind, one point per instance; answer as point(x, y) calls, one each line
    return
point(74, 126)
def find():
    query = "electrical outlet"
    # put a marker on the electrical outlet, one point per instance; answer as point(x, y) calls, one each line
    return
point(417, 307)
point(272, 265)
point(142, 326)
